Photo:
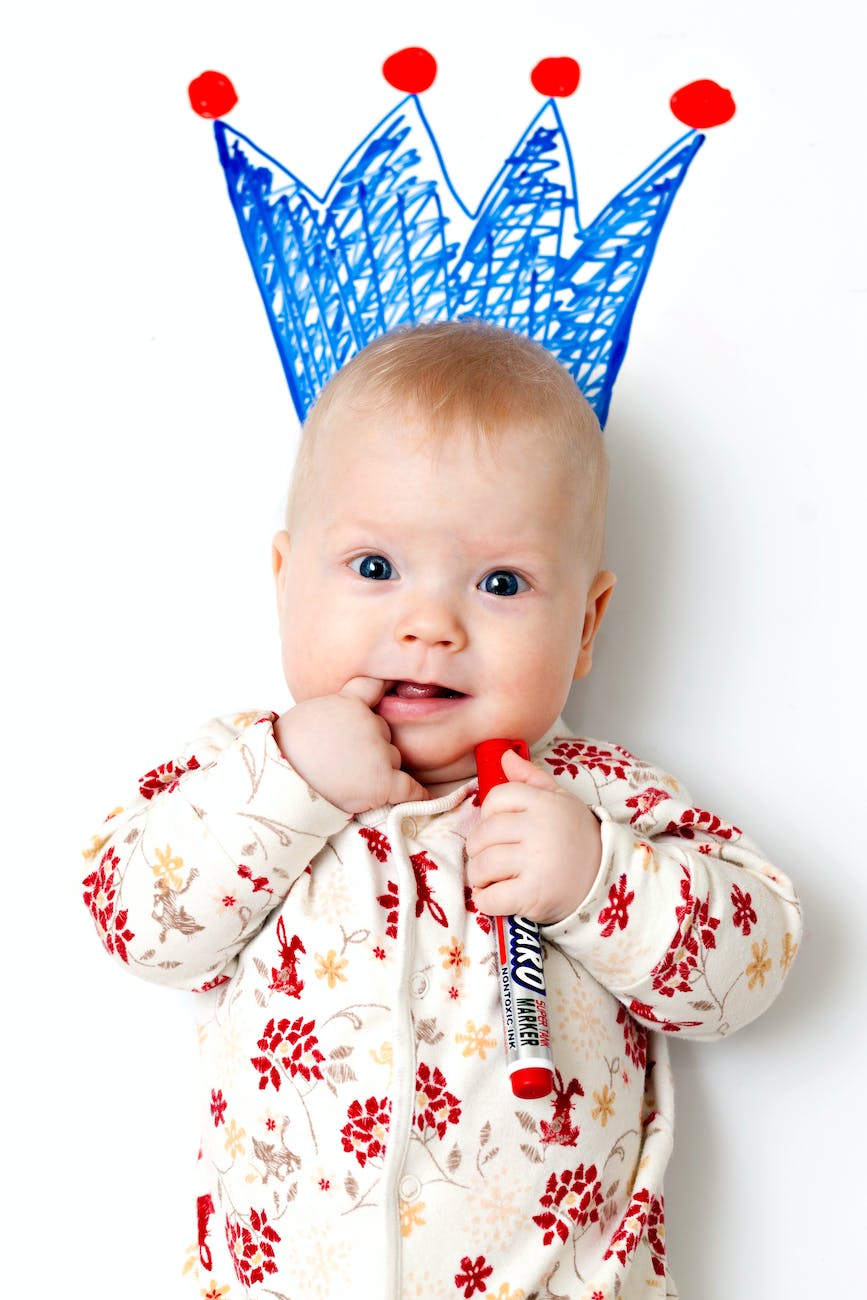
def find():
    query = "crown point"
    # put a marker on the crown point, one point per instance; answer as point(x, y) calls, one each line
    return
point(411, 70)
point(556, 78)
point(212, 95)
point(702, 104)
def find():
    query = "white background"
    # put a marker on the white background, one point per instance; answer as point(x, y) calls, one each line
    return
point(147, 439)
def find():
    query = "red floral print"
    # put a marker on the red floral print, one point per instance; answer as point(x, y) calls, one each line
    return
point(251, 1248)
point(164, 779)
point(744, 916)
point(696, 922)
point(212, 984)
point(696, 819)
point(204, 1210)
point(634, 1039)
point(365, 1134)
point(672, 974)
point(560, 1129)
point(644, 1217)
point(436, 1107)
point(390, 901)
point(258, 882)
point(571, 755)
point(99, 890)
point(377, 843)
point(473, 1275)
point(676, 972)
point(571, 1200)
point(421, 865)
point(645, 802)
point(285, 977)
point(99, 897)
point(482, 921)
point(617, 911)
point(218, 1106)
point(290, 1047)
point(644, 1011)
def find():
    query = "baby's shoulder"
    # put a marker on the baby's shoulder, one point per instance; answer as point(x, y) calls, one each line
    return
point(607, 769)
point(219, 732)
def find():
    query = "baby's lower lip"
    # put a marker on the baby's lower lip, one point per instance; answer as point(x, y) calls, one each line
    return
point(416, 703)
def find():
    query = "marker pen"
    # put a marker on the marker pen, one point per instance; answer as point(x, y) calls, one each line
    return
point(522, 973)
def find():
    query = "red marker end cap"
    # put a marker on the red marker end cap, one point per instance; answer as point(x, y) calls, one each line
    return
point(489, 762)
point(532, 1082)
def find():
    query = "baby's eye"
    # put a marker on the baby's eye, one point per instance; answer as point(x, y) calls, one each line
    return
point(375, 567)
point(502, 582)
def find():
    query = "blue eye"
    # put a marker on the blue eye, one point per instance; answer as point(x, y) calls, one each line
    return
point(502, 582)
point(375, 567)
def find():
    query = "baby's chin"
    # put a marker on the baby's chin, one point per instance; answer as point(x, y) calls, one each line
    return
point(451, 774)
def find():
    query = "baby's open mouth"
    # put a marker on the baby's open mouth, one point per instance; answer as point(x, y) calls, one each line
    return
point(423, 691)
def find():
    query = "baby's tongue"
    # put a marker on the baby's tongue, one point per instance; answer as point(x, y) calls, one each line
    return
point(417, 691)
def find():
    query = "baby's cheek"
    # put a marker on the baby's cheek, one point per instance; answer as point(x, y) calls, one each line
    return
point(313, 661)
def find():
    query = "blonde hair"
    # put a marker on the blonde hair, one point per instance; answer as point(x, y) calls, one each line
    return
point(468, 377)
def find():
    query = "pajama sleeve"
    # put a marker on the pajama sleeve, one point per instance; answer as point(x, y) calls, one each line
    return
point(187, 873)
point(686, 923)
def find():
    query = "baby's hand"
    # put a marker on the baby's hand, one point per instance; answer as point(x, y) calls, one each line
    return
point(536, 849)
point(343, 749)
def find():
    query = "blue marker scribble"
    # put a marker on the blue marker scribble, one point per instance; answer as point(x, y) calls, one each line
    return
point(391, 242)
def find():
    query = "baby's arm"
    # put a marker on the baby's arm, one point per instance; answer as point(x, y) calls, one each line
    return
point(684, 921)
point(186, 874)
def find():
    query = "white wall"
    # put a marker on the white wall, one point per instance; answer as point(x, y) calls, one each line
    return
point(148, 433)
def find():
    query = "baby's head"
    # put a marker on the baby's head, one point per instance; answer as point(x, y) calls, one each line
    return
point(444, 534)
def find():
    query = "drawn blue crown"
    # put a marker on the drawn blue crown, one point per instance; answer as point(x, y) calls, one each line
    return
point(391, 242)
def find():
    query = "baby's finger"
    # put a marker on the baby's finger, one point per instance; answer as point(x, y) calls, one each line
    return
point(405, 789)
point(513, 797)
point(384, 728)
point(497, 863)
point(498, 828)
point(369, 690)
point(519, 769)
point(500, 899)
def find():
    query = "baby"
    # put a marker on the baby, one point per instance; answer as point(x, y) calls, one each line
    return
point(324, 878)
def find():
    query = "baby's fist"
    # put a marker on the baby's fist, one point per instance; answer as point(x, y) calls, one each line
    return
point(343, 749)
point(536, 849)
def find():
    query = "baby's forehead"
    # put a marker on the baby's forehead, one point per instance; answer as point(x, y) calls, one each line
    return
point(409, 428)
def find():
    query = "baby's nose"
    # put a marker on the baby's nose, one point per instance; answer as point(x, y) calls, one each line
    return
point(432, 623)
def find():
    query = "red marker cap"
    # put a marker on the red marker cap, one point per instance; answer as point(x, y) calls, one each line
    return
point(489, 762)
point(532, 1081)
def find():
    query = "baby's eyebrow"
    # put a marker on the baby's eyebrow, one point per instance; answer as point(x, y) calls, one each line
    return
point(512, 553)
point(361, 528)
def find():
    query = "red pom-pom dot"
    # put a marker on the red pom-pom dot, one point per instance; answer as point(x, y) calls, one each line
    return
point(556, 78)
point(212, 95)
point(411, 70)
point(702, 104)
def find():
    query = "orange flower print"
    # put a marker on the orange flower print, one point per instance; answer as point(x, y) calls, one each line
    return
point(759, 966)
point(789, 950)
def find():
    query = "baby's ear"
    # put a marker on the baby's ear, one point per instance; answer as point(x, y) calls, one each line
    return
point(598, 596)
point(279, 555)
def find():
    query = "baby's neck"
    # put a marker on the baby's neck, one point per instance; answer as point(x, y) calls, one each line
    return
point(443, 788)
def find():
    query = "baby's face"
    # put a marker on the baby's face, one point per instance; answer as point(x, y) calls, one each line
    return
point(450, 571)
